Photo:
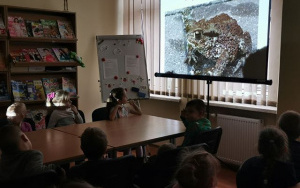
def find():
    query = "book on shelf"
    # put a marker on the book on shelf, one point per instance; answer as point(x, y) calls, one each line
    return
point(19, 89)
point(16, 56)
point(65, 29)
point(16, 27)
point(3, 91)
point(47, 54)
point(2, 26)
point(29, 27)
point(31, 91)
point(69, 85)
point(50, 85)
point(62, 54)
point(50, 28)
point(40, 93)
point(37, 29)
point(39, 118)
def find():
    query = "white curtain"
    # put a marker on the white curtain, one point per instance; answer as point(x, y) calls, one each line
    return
point(142, 17)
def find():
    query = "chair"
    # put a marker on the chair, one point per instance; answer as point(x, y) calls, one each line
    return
point(110, 173)
point(100, 114)
point(82, 115)
point(45, 179)
point(211, 137)
point(160, 169)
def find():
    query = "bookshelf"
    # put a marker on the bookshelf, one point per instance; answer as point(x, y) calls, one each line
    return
point(28, 70)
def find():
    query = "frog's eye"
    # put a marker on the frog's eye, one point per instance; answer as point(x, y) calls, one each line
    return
point(197, 35)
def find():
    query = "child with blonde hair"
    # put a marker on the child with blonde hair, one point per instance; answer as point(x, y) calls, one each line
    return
point(64, 112)
point(16, 113)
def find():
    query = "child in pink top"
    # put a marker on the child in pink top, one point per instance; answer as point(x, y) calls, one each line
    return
point(16, 113)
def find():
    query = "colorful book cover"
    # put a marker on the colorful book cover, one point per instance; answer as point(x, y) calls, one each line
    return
point(3, 91)
point(39, 118)
point(16, 27)
point(50, 28)
point(29, 27)
point(68, 85)
point(19, 90)
point(37, 29)
point(31, 90)
point(47, 54)
point(16, 56)
point(2, 26)
point(50, 85)
point(62, 54)
point(65, 29)
point(27, 57)
point(35, 54)
point(40, 93)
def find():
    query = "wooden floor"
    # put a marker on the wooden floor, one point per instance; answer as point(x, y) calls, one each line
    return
point(226, 176)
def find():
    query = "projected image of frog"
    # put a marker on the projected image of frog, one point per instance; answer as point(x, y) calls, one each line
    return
point(216, 47)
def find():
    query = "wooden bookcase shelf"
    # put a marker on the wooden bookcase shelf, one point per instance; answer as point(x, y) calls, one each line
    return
point(18, 70)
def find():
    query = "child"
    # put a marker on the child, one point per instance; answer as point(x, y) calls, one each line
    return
point(18, 160)
point(271, 168)
point(117, 108)
point(116, 105)
point(16, 113)
point(194, 121)
point(64, 112)
point(197, 169)
point(289, 122)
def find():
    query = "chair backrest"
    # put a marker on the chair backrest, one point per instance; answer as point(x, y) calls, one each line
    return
point(159, 172)
point(46, 179)
point(100, 114)
point(211, 137)
point(82, 115)
point(111, 173)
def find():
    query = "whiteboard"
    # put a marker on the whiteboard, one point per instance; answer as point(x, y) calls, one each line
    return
point(122, 63)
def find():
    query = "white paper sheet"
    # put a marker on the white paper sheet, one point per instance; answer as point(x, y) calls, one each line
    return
point(132, 65)
point(110, 67)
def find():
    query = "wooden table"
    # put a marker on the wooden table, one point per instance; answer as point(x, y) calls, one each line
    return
point(56, 146)
point(132, 131)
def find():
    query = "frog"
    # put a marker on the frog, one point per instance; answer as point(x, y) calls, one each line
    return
point(217, 46)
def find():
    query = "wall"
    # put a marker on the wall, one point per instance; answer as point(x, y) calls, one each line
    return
point(289, 87)
point(94, 17)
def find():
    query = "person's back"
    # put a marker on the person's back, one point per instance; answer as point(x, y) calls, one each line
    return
point(194, 121)
point(271, 168)
point(289, 122)
point(18, 160)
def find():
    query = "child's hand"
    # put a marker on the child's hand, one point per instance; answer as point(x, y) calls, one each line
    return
point(131, 102)
point(74, 109)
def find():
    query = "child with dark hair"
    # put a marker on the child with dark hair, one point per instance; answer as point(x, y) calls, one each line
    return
point(116, 104)
point(193, 118)
point(271, 168)
point(93, 145)
point(289, 122)
point(18, 160)
point(197, 169)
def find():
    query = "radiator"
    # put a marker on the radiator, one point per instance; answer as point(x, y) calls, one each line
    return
point(239, 139)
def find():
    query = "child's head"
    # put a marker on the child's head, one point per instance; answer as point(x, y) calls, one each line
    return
point(165, 147)
point(195, 110)
point(198, 169)
point(273, 144)
point(59, 98)
point(12, 139)
point(118, 96)
point(93, 143)
point(289, 122)
point(16, 112)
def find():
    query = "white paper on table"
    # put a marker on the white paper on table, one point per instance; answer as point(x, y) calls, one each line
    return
point(110, 67)
point(132, 64)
